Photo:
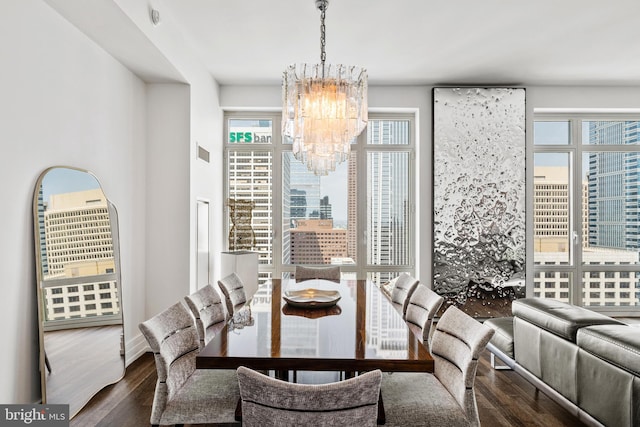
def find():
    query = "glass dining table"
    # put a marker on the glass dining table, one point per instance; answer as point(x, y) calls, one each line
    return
point(363, 331)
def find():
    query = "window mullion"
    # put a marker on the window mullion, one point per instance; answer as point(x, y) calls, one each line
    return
point(576, 210)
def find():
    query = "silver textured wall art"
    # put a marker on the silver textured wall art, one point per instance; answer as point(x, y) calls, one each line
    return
point(479, 197)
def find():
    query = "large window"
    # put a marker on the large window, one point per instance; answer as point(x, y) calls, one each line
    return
point(360, 216)
point(586, 210)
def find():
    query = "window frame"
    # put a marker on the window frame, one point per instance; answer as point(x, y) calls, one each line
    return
point(360, 148)
point(576, 269)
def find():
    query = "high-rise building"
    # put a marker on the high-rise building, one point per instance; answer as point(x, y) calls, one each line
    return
point(352, 208)
point(552, 240)
point(600, 288)
point(551, 199)
point(78, 244)
point(315, 241)
point(325, 208)
point(614, 181)
point(303, 188)
point(250, 177)
point(298, 206)
point(42, 236)
point(388, 204)
point(387, 183)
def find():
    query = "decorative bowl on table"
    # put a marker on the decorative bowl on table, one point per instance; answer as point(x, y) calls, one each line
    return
point(311, 298)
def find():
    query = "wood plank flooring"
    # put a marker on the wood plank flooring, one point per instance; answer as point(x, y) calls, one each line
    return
point(504, 398)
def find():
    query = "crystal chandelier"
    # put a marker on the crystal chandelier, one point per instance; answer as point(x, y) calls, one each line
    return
point(324, 108)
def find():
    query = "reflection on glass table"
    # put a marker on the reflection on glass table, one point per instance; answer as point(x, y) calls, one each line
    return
point(365, 332)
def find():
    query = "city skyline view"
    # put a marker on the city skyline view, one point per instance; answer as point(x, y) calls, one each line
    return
point(306, 196)
point(591, 223)
point(76, 244)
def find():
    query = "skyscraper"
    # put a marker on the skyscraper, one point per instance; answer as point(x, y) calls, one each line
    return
point(388, 197)
point(250, 175)
point(78, 244)
point(315, 241)
point(298, 206)
point(551, 201)
point(303, 188)
point(614, 180)
point(352, 208)
point(325, 208)
point(609, 217)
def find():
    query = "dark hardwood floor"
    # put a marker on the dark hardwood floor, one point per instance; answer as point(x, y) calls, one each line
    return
point(504, 399)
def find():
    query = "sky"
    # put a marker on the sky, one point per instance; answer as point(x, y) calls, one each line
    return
point(335, 185)
point(64, 180)
point(556, 133)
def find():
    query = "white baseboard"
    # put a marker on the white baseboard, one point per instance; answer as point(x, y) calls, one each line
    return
point(134, 348)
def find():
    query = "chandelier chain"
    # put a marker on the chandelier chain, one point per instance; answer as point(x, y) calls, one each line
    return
point(323, 43)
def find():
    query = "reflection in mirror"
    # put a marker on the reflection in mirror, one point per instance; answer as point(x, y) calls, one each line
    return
point(79, 289)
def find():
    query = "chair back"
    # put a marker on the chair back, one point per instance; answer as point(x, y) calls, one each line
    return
point(206, 306)
point(309, 273)
point(233, 290)
point(423, 306)
point(172, 337)
point(267, 401)
point(456, 345)
point(404, 287)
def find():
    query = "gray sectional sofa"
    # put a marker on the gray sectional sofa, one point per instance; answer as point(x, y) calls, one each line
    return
point(587, 362)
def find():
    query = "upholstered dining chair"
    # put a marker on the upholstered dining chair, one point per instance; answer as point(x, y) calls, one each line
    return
point(423, 306)
point(233, 290)
point(309, 273)
point(184, 394)
point(401, 293)
point(446, 397)
point(267, 401)
point(207, 309)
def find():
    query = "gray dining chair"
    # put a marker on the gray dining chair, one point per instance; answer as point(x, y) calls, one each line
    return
point(446, 397)
point(309, 273)
point(423, 306)
point(184, 394)
point(233, 290)
point(268, 402)
point(207, 309)
point(405, 284)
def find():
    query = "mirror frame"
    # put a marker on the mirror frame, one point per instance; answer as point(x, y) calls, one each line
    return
point(84, 322)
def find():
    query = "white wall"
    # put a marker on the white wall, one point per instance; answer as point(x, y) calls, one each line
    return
point(183, 112)
point(64, 102)
point(204, 128)
point(167, 197)
point(583, 97)
point(160, 55)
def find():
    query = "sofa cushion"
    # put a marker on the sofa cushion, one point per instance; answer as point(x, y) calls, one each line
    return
point(558, 317)
point(616, 344)
point(503, 338)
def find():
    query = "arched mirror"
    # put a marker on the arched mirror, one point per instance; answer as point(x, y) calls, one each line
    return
point(79, 288)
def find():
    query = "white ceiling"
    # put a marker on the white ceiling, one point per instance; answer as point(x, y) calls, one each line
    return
point(541, 42)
